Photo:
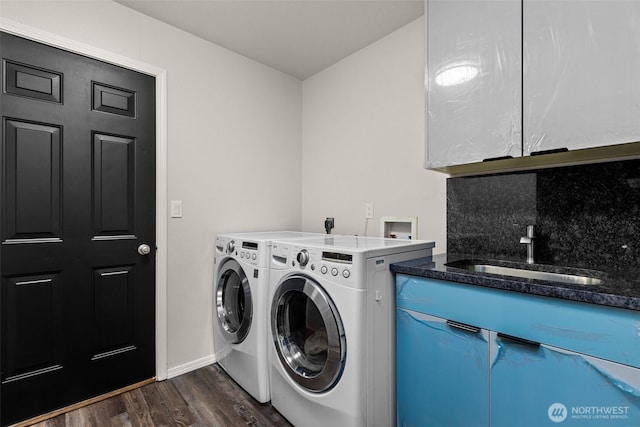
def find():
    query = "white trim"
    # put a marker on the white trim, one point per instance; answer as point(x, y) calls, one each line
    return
point(160, 75)
point(191, 366)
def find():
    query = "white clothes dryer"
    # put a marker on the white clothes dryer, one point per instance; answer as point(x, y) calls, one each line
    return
point(240, 311)
point(332, 352)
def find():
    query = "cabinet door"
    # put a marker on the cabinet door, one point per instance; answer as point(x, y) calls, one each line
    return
point(535, 385)
point(581, 73)
point(473, 81)
point(442, 372)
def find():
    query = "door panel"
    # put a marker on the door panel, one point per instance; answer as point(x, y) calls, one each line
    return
point(112, 311)
point(113, 185)
point(32, 311)
point(114, 100)
point(32, 171)
point(32, 82)
point(77, 190)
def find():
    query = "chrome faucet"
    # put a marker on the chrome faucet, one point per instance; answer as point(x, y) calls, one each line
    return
point(528, 240)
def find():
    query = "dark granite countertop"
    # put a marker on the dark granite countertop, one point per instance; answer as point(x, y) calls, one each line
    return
point(618, 289)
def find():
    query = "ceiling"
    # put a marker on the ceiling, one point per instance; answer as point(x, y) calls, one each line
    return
point(297, 37)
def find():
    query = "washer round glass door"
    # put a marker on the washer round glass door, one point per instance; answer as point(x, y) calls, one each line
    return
point(308, 334)
point(233, 302)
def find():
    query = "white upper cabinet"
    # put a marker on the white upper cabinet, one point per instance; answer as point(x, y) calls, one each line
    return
point(581, 84)
point(474, 80)
point(516, 77)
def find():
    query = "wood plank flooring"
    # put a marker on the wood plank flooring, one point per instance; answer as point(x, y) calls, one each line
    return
point(205, 397)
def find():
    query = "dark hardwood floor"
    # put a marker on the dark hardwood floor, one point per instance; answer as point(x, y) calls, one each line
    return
point(205, 397)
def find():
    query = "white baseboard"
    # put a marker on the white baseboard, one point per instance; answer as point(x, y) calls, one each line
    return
point(191, 366)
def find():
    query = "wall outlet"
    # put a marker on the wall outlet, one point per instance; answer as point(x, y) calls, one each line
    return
point(368, 210)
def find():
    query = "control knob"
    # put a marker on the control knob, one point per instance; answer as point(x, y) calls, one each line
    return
point(303, 257)
point(231, 246)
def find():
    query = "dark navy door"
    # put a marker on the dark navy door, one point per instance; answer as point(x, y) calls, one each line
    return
point(77, 193)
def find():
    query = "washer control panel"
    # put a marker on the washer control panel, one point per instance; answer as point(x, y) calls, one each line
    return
point(336, 266)
point(340, 266)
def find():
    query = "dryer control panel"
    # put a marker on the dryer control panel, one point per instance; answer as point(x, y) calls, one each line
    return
point(251, 252)
point(248, 251)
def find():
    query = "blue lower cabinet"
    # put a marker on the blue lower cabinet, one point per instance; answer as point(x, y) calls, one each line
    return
point(442, 372)
point(534, 385)
point(570, 365)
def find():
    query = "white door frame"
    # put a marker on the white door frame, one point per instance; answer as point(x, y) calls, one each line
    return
point(160, 75)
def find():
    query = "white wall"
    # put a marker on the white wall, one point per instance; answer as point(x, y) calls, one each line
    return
point(238, 129)
point(363, 140)
point(234, 146)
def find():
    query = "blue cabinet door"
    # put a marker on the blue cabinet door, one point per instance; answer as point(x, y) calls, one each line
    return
point(442, 373)
point(539, 385)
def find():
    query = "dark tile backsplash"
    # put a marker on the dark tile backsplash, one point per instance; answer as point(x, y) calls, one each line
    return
point(585, 216)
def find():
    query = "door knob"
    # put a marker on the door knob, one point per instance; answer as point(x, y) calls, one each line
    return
point(144, 249)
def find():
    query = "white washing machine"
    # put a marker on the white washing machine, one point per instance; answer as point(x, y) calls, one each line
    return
point(332, 352)
point(240, 312)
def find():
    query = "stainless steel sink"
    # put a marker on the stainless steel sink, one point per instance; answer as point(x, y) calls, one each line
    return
point(482, 267)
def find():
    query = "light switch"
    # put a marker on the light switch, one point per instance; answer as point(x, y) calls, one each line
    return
point(176, 209)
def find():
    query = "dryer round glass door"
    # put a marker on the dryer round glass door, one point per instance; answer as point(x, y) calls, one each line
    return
point(234, 306)
point(308, 334)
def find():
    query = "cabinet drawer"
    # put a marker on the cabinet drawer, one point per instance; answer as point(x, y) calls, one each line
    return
point(604, 332)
